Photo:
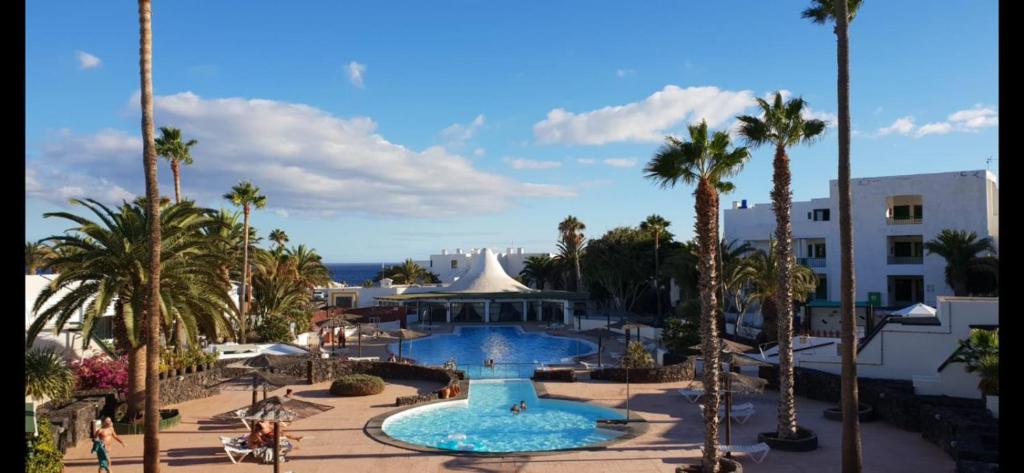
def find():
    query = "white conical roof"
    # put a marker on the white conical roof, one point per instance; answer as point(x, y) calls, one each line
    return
point(485, 274)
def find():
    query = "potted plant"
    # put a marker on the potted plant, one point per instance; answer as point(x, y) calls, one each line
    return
point(163, 367)
point(980, 352)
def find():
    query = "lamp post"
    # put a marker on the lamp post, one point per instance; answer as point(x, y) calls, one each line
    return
point(627, 393)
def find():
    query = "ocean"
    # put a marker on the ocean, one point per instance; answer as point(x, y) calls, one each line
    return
point(354, 273)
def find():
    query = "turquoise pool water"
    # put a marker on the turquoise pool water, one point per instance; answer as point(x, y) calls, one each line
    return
point(509, 345)
point(484, 422)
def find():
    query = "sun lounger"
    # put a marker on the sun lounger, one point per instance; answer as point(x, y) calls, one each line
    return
point(739, 413)
point(235, 448)
point(364, 358)
point(757, 452)
point(241, 413)
point(692, 394)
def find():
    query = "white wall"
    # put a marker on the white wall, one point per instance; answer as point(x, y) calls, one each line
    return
point(512, 261)
point(953, 200)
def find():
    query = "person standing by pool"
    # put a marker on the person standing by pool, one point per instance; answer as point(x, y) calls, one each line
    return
point(100, 438)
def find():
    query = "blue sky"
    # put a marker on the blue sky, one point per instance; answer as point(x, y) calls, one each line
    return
point(385, 131)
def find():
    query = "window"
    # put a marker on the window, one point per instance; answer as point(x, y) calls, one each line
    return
point(431, 263)
point(455, 264)
point(907, 249)
point(343, 301)
point(816, 250)
point(905, 290)
point(821, 215)
point(821, 292)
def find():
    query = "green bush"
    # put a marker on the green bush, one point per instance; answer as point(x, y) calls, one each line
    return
point(42, 455)
point(47, 375)
point(357, 385)
point(637, 357)
point(274, 329)
point(682, 331)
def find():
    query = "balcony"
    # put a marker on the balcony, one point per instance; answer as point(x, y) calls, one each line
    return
point(906, 260)
point(903, 220)
point(812, 262)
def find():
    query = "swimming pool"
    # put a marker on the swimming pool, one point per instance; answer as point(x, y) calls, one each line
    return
point(509, 345)
point(485, 423)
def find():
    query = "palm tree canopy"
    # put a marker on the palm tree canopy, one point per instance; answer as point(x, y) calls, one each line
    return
point(571, 229)
point(781, 124)
point(245, 195)
point(958, 246)
point(655, 223)
point(760, 272)
point(172, 148)
point(822, 11)
point(279, 237)
point(696, 160)
point(38, 255)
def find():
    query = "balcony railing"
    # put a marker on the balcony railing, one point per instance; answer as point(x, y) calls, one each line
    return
point(906, 260)
point(903, 220)
point(812, 262)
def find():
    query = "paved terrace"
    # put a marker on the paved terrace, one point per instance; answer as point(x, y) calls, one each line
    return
point(335, 440)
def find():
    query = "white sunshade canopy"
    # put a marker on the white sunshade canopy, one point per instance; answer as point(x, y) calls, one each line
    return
point(485, 275)
point(916, 310)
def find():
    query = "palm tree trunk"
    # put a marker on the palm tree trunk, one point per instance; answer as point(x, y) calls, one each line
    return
point(136, 381)
point(657, 285)
point(243, 299)
point(151, 448)
point(176, 170)
point(782, 201)
point(579, 277)
point(850, 397)
point(707, 237)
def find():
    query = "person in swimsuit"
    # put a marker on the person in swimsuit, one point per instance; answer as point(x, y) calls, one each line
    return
point(522, 405)
point(100, 438)
point(515, 409)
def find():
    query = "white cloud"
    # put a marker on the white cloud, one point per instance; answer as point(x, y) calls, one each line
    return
point(355, 73)
point(586, 160)
point(307, 162)
point(624, 72)
point(621, 162)
point(903, 126)
point(644, 121)
point(457, 134)
point(479, 152)
point(969, 120)
point(518, 163)
point(86, 60)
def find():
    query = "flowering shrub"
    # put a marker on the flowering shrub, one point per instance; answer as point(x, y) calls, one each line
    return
point(102, 372)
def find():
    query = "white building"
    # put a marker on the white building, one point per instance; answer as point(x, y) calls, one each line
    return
point(449, 266)
point(893, 217)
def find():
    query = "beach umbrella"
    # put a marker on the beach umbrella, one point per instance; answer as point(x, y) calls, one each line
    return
point(916, 310)
point(273, 410)
point(402, 335)
point(728, 346)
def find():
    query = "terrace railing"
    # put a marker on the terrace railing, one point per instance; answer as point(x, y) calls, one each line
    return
point(499, 370)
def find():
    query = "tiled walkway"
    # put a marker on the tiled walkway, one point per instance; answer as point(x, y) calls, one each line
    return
point(335, 441)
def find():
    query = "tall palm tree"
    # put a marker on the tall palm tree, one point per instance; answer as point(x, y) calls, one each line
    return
point(959, 248)
point(730, 255)
point(657, 225)
point(539, 270)
point(820, 12)
point(408, 273)
point(151, 448)
point(309, 267)
point(37, 256)
point(759, 274)
point(246, 196)
point(706, 163)
point(782, 125)
point(571, 243)
point(279, 237)
point(173, 149)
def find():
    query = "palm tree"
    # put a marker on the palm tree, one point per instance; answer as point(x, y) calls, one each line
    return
point(37, 256)
point(980, 352)
point(408, 273)
point(309, 268)
point(706, 163)
point(151, 448)
point(759, 273)
point(110, 267)
point(657, 225)
point(172, 148)
point(279, 237)
point(960, 249)
point(246, 196)
point(820, 12)
point(571, 244)
point(782, 125)
point(539, 270)
point(729, 257)
point(47, 375)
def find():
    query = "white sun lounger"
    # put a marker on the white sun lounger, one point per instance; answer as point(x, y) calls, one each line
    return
point(692, 394)
point(757, 452)
point(739, 413)
point(364, 358)
point(235, 448)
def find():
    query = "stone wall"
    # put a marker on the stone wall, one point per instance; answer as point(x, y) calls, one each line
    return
point(187, 387)
point(75, 419)
point(963, 428)
point(663, 374)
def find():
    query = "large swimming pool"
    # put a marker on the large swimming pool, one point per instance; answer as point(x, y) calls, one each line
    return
point(509, 345)
point(485, 423)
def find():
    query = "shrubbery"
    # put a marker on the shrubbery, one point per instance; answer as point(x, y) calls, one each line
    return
point(42, 455)
point(102, 372)
point(274, 329)
point(637, 357)
point(357, 385)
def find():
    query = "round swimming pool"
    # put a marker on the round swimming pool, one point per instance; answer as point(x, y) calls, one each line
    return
point(485, 423)
point(472, 345)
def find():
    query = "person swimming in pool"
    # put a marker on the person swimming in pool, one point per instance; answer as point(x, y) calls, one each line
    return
point(522, 405)
point(515, 409)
